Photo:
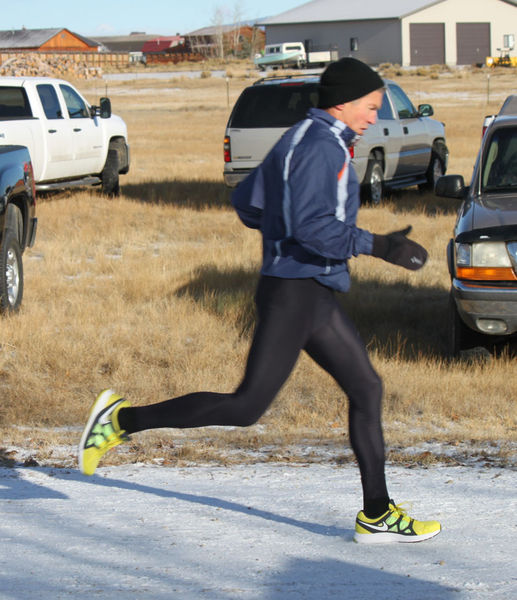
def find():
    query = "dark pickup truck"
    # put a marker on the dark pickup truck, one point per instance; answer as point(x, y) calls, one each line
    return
point(17, 221)
point(482, 254)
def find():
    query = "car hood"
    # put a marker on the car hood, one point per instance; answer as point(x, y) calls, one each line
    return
point(488, 211)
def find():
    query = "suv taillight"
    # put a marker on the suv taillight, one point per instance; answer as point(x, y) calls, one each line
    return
point(227, 150)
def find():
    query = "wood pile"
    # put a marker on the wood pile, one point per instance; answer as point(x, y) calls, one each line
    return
point(26, 65)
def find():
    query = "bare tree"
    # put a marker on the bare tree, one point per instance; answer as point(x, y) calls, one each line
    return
point(218, 23)
point(238, 11)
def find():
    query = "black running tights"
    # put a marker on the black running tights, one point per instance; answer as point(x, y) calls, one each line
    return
point(293, 315)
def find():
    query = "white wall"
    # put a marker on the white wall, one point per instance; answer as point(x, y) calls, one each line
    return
point(501, 16)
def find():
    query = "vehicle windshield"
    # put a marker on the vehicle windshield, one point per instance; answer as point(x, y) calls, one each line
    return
point(499, 171)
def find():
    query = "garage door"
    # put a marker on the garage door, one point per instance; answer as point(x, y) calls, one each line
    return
point(472, 43)
point(427, 43)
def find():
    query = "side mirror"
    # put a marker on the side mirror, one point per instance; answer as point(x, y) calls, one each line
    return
point(450, 186)
point(425, 110)
point(105, 108)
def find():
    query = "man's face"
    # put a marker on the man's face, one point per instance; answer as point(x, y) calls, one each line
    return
point(361, 113)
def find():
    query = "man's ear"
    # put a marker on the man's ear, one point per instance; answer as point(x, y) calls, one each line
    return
point(341, 108)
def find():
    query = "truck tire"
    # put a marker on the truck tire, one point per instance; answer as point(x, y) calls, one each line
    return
point(11, 272)
point(460, 337)
point(372, 189)
point(436, 167)
point(15, 221)
point(109, 175)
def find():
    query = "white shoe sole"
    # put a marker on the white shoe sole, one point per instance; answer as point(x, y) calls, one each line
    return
point(392, 538)
point(98, 405)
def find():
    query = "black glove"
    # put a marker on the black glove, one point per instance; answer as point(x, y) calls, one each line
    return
point(396, 248)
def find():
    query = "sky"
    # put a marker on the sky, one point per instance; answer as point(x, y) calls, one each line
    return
point(121, 17)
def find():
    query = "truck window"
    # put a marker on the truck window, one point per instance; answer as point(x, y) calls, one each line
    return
point(403, 104)
point(49, 100)
point(500, 161)
point(14, 103)
point(385, 112)
point(76, 106)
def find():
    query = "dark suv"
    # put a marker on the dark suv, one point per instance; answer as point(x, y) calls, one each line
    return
point(482, 255)
point(404, 148)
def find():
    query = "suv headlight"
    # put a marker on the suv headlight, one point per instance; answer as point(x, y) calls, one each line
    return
point(484, 261)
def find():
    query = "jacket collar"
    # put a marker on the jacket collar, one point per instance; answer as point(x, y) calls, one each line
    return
point(347, 134)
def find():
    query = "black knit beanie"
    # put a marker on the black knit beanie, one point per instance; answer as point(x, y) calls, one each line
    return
point(345, 80)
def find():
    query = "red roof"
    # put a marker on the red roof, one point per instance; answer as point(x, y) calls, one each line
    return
point(160, 44)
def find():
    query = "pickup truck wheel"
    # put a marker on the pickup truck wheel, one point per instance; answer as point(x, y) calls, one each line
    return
point(15, 221)
point(11, 272)
point(460, 337)
point(109, 175)
point(436, 167)
point(373, 184)
point(455, 329)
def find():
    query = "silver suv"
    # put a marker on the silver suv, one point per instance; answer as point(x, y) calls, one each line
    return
point(404, 148)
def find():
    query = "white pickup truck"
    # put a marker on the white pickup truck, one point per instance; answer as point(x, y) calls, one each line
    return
point(293, 54)
point(70, 141)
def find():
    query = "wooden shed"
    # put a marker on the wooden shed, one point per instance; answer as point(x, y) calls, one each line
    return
point(45, 40)
point(222, 40)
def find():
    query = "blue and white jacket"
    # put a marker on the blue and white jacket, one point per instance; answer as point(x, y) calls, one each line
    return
point(304, 198)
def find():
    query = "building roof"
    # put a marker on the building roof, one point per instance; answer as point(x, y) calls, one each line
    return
point(34, 38)
point(162, 43)
point(133, 42)
point(218, 29)
point(352, 10)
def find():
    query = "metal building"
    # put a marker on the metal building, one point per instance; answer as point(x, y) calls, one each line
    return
point(405, 32)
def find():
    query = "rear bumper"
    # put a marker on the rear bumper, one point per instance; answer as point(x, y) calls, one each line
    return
point(233, 178)
point(478, 306)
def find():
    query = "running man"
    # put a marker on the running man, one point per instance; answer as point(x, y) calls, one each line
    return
point(304, 199)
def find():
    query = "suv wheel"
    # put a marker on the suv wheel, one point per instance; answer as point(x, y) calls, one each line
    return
point(373, 184)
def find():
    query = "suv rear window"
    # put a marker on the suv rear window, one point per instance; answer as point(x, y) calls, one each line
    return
point(280, 105)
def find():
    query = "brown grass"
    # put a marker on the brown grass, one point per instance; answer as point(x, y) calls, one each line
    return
point(151, 294)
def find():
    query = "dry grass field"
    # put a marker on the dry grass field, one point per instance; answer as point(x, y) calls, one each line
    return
point(151, 294)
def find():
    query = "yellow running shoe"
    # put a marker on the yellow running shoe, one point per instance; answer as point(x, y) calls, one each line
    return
point(102, 430)
point(395, 525)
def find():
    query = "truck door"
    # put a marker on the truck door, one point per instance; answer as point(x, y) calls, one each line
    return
point(59, 139)
point(87, 138)
point(387, 132)
point(415, 150)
